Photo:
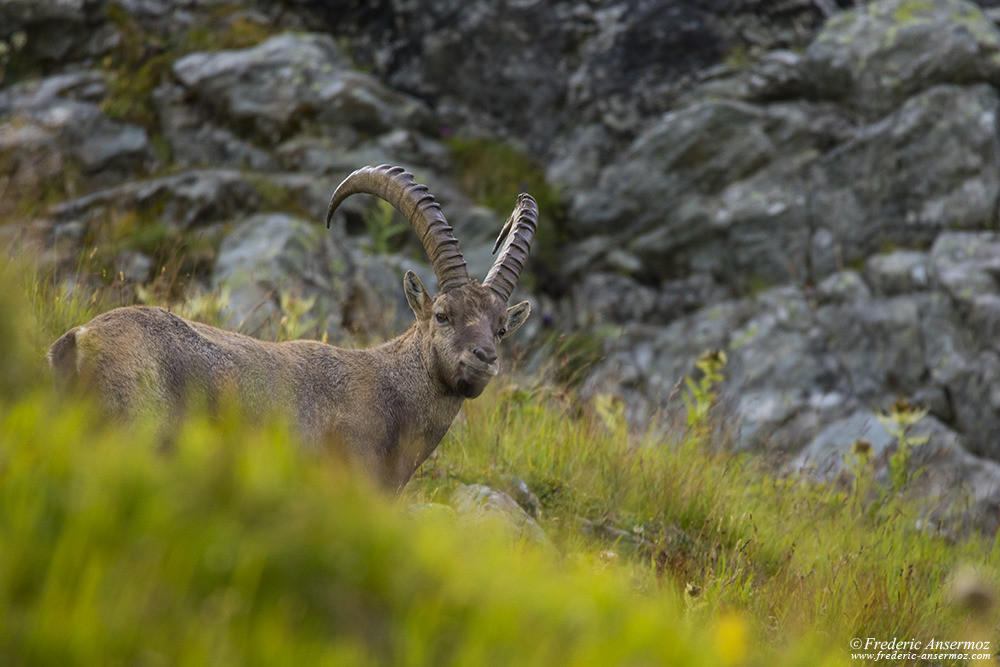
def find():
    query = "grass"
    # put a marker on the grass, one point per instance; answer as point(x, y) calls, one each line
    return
point(239, 547)
point(794, 559)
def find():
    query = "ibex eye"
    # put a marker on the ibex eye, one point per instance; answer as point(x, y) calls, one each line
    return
point(441, 318)
point(501, 333)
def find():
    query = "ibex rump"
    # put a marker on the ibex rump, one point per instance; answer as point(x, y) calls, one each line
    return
point(389, 405)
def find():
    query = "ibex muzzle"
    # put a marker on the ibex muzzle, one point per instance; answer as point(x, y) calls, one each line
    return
point(388, 406)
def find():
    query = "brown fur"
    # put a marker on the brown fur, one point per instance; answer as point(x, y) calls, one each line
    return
point(388, 406)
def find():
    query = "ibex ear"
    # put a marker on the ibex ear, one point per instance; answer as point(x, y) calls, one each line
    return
point(416, 296)
point(516, 315)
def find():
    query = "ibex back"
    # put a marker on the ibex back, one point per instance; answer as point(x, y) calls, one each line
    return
point(388, 406)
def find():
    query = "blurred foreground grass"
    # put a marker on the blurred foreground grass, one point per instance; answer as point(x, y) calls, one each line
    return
point(237, 547)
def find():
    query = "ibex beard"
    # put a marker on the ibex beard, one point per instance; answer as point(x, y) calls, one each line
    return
point(386, 407)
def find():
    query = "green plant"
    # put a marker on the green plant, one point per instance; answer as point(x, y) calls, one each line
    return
point(574, 354)
point(898, 421)
point(385, 228)
point(295, 321)
point(700, 396)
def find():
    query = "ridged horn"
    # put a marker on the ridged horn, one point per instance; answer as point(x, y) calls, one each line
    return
point(516, 237)
point(396, 186)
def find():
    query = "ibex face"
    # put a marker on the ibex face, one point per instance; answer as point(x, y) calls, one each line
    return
point(462, 328)
point(462, 324)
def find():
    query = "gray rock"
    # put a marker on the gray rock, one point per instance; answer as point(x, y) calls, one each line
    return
point(927, 168)
point(719, 187)
point(44, 136)
point(189, 199)
point(573, 63)
point(267, 255)
point(754, 194)
point(290, 80)
point(966, 264)
point(827, 455)
point(898, 272)
point(875, 57)
point(195, 141)
point(972, 381)
point(476, 504)
point(878, 344)
point(270, 256)
point(843, 286)
point(519, 490)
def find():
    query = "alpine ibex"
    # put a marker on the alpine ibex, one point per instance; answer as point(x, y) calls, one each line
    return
point(389, 406)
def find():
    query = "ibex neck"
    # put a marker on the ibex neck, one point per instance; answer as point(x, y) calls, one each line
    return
point(417, 359)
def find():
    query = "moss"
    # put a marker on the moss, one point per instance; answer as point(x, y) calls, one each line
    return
point(911, 11)
point(276, 197)
point(493, 173)
point(739, 57)
point(225, 31)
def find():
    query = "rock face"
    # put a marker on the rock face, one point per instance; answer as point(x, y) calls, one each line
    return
point(816, 195)
point(274, 88)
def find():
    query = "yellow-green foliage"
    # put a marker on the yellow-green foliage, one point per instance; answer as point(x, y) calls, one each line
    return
point(236, 547)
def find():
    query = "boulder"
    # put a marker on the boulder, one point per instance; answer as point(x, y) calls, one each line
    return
point(274, 89)
point(478, 504)
point(927, 168)
point(875, 57)
point(271, 263)
point(268, 256)
point(953, 489)
point(186, 200)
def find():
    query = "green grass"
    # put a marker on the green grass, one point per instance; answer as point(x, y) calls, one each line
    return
point(237, 547)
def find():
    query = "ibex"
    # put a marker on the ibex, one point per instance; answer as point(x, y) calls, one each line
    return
point(389, 406)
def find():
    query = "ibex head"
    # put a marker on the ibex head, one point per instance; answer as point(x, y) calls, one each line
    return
point(461, 325)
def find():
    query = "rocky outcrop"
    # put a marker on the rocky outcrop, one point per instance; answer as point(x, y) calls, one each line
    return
point(272, 90)
point(53, 135)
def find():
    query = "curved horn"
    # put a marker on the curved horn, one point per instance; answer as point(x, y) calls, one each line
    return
point(518, 231)
point(396, 186)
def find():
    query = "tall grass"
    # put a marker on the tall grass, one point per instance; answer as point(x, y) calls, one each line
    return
point(795, 559)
